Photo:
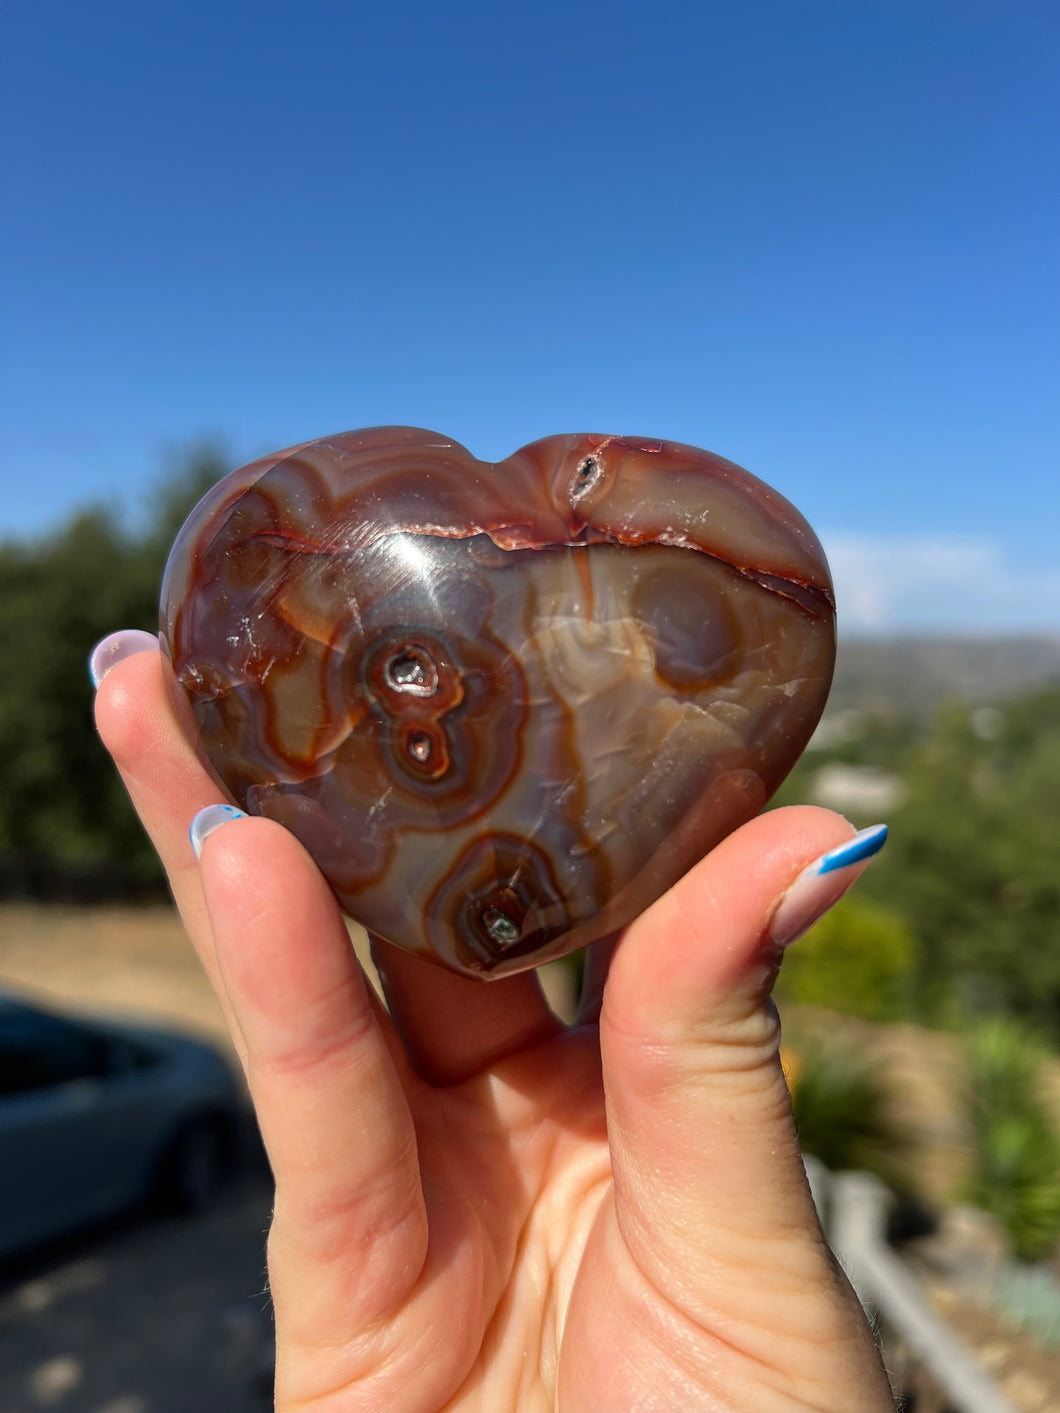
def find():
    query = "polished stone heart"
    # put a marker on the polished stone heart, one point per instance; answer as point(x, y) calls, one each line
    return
point(504, 706)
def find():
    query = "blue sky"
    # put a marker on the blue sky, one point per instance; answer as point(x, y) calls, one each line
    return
point(818, 238)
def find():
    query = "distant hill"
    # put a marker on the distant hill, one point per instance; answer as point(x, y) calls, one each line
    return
point(916, 674)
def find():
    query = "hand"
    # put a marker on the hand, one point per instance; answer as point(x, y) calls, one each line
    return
point(479, 1209)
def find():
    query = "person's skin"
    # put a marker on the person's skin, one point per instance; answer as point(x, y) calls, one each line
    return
point(479, 1209)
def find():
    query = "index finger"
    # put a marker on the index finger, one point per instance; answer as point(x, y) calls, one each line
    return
point(167, 784)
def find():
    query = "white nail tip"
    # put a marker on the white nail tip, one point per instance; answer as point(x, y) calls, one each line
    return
point(209, 819)
point(116, 648)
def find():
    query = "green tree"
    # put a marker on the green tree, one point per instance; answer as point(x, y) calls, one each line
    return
point(1016, 1149)
point(66, 827)
point(860, 958)
point(974, 860)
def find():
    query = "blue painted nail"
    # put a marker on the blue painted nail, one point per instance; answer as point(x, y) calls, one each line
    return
point(116, 648)
point(863, 846)
point(813, 893)
point(209, 819)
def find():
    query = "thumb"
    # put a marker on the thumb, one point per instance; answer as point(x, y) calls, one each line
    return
point(709, 1182)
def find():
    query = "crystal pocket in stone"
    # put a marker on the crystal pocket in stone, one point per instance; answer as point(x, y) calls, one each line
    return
point(504, 706)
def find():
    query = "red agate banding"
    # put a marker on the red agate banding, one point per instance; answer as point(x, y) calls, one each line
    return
point(504, 706)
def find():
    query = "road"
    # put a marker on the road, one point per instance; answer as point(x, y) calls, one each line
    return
point(146, 1316)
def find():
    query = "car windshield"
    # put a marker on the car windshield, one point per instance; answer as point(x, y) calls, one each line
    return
point(39, 1051)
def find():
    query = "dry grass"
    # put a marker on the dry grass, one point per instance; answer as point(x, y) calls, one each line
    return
point(136, 962)
point(124, 961)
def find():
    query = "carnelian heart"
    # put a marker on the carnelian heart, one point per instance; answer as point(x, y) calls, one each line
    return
point(504, 706)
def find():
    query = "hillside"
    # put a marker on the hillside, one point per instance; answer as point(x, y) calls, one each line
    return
point(914, 674)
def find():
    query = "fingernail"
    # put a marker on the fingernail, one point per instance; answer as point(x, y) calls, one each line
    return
point(209, 819)
point(116, 648)
point(823, 883)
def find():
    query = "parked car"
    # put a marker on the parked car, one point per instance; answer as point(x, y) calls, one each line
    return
point(97, 1116)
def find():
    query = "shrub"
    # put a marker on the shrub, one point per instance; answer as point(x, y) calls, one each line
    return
point(839, 1103)
point(1016, 1149)
point(860, 958)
